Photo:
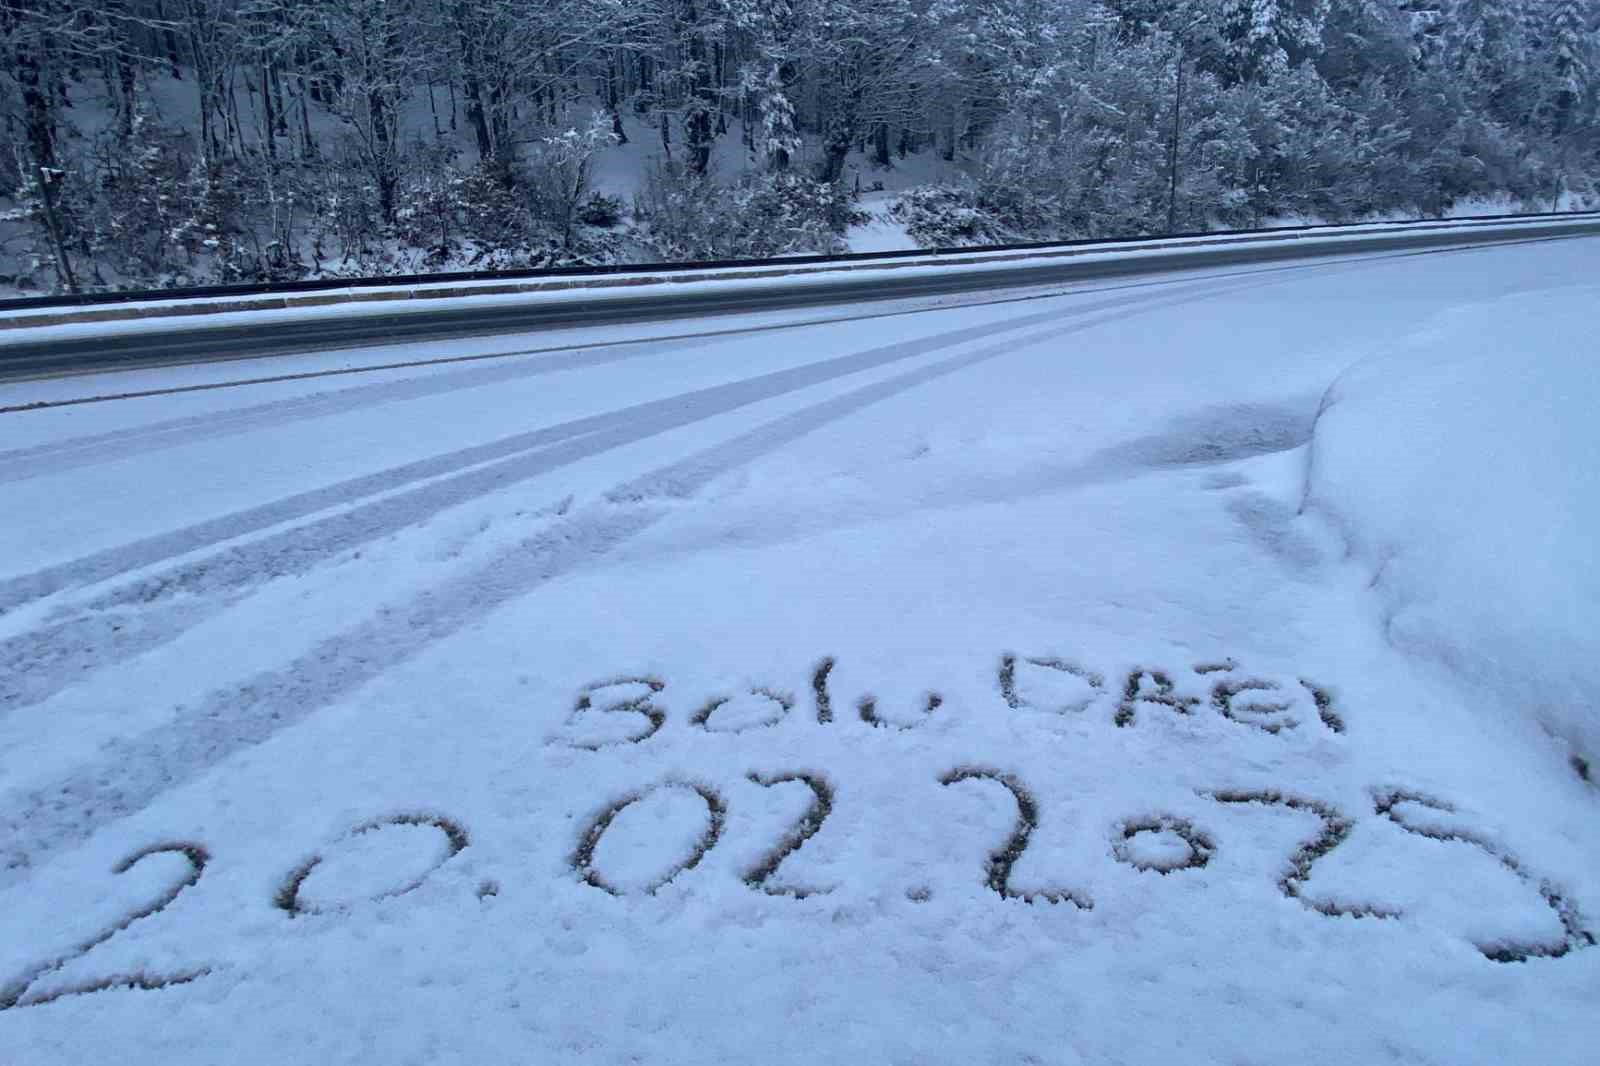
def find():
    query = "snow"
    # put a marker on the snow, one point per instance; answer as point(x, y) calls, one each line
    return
point(620, 170)
point(424, 671)
point(879, 233)
point(1467, 446)
point(378, 860)
point(253, 309)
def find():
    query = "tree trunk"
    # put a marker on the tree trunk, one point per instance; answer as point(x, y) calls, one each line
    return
point(480, 122)
point(836, 152)
point(47, 183)
point(269, 117)
point(721, 53)
point(234, 129)
point(471, 71)
point(277, 99)
point(122, 62)
point(169, 38)
point(1172, 161)
point(32, 84)
point(383, 154)
point(614, 100)
point(308, 146)
point(205, 88)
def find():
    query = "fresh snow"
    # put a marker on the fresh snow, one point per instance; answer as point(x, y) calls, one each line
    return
point(880, 232)
point(17, 326)
point(1465, 465)
point(1128, 674)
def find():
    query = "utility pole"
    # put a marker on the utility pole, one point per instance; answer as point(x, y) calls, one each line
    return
point(48, 177)
point(1172, 159)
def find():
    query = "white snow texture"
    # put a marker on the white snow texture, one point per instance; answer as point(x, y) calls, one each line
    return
point(1466, 467)
point(1181, 669)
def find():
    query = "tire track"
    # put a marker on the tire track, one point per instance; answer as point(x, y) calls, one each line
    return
point(258, 346)
point(128, 774)
point(119, 625)
point(176, 432)
point(693, 406)
point(23, 464)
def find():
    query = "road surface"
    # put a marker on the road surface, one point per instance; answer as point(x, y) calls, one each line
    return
point(952, 679)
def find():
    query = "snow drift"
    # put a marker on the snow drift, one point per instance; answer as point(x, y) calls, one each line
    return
point(1463, 467)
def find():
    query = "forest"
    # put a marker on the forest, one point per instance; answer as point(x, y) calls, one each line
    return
point(159, 143)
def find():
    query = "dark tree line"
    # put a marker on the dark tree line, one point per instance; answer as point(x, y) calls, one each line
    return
point(152, 142)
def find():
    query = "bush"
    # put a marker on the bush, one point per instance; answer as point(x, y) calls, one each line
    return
point(600, 211)
point(691, 217)
point(947, 216)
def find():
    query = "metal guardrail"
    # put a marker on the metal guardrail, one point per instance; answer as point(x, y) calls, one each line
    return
point(370, 320)
point(96, 299)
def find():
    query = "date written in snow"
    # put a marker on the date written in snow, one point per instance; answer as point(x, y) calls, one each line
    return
point(624, 709)
point(1160, 844)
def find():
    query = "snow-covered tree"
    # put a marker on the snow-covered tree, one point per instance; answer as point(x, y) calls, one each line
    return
point(239, 139)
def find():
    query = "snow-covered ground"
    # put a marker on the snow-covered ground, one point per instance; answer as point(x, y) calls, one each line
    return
point(1481, 531)
point(880, 232)
point(1079, 679)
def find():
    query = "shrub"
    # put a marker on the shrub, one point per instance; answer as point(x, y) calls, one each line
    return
point(600, 211)
point(947, 216)
point(691, 217)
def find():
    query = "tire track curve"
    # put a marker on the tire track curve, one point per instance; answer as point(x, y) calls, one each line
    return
point(141, 616)
point(129, 774)
point(38, 460)
point(695, 405)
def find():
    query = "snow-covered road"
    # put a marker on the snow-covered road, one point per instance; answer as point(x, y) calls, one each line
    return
point(962, 681)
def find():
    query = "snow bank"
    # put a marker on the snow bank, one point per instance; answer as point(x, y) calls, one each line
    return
point(1464, 467)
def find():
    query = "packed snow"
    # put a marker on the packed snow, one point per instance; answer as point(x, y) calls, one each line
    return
point(1123, 674)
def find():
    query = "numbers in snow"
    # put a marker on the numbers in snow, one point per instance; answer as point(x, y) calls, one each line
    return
point(1004, 857)
point(760, 875)
point(589, 864)
point(1162, 844)
point(629, 847)
point(360, 866)
point(20, 992)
